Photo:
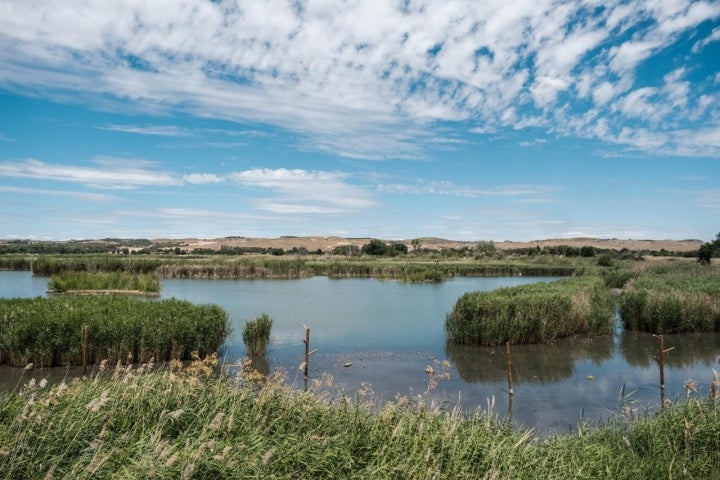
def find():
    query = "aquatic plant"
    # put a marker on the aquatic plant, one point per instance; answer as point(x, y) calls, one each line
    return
point(670, 299)
point(256, 335)
point(48, 331)
point(532, 313)
point(74, 281)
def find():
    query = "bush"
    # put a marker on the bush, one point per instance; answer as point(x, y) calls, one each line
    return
point(256, 335)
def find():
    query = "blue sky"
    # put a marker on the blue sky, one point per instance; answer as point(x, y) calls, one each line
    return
point(493, 120)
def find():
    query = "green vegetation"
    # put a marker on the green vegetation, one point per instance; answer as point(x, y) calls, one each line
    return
point(113, 281)
point(47, 331)
point(709, 250)
point(670, 299)
point(256, 335)
point(54, 265)
point(191, 424)
point(532, 313)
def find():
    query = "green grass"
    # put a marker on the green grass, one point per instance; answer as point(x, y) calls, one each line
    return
point(74, 281)
point(532, 313)
point(256, 335)
point(48, 331)
point(671, 299)
point(191, 424)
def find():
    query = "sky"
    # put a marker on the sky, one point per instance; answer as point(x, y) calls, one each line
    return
point(462, 119)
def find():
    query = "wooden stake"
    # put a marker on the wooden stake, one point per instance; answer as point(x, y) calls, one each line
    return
point(509, 367)
point(307, 351)
point(661, 362)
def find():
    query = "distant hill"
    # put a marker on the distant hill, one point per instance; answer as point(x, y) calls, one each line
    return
point(328, 243)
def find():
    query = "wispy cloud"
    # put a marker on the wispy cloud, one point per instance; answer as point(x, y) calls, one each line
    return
point(160, 130)
point(367, 79)
point(86, 196)
point(111, 174)
point(450, 189)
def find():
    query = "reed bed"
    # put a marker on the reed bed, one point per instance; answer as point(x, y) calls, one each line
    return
point(672, 299)
point(98, 281)
point(15, 262)
point(48, 265)
point(193, 424)
point(532, 313)
point(48, 331)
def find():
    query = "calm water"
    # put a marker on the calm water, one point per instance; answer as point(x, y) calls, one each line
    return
point(390, 331)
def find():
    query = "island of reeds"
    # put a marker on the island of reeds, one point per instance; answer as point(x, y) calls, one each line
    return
point(532, 313)
point(172, 423)
point(48, 331)
point(80, 282)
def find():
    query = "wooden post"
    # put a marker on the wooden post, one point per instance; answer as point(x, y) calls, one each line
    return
point(509, 368)
point(307, 352)
point(85, 336)
point(661, 362)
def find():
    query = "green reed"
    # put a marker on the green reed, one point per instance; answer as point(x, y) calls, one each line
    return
point(186, 424)
point(669, 299)
point(48, 331)
point(532, 313)
point(73, 281)
point(256, 335)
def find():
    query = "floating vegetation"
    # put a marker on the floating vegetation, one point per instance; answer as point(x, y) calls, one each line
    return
point(256, 335)
point(104, 281)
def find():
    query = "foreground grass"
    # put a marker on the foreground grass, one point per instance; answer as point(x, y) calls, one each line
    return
point(532, 313)
point(191, 424)
point(671, 299)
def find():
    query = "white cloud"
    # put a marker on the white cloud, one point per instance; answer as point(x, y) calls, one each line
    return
point(112, 174)
point(85, 196)
point(450, 189)
point(358, 79)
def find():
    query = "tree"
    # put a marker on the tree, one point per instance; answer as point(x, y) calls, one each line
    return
point(375, 247)
point(709, 250)
point(485, 248)
point(416, 244)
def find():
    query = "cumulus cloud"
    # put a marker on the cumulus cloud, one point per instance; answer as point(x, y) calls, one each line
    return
point(360, 79)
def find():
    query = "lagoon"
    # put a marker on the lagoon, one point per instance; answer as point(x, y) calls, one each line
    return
point(391, 331)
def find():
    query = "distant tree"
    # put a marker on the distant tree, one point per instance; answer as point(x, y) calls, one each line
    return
point(709, 250)
point(397, 248)
point(416, 244)
point(375, 247)
point(587, 251)
point(485, 248)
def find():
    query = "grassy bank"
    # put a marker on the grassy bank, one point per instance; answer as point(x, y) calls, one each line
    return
point(670, 299)
point(172, 424)
point(47, 331)
point(532, 313)
point(99, 281)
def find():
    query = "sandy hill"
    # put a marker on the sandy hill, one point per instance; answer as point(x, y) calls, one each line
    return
point(329, 243)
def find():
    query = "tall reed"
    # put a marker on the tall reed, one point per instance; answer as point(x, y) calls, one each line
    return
point(74, 281)
point(47, 331)
point(532, 313)
point(256, 335)
point(680, 298)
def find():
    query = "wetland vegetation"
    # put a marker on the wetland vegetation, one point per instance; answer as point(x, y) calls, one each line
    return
point(532, 313)
point(193, 424)
point(47, 331)
point(99, 282)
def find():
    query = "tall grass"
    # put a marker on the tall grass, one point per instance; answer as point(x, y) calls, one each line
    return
point(47, 331)
point(256, 335)
point(48, 265)
point(15, 262)
point(532, 313)
point(74, 281)
point(187, 424)
point(679, 298)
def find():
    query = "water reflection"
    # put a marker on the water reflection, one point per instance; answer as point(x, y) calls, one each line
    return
point(542, 363)
point(639, 349)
